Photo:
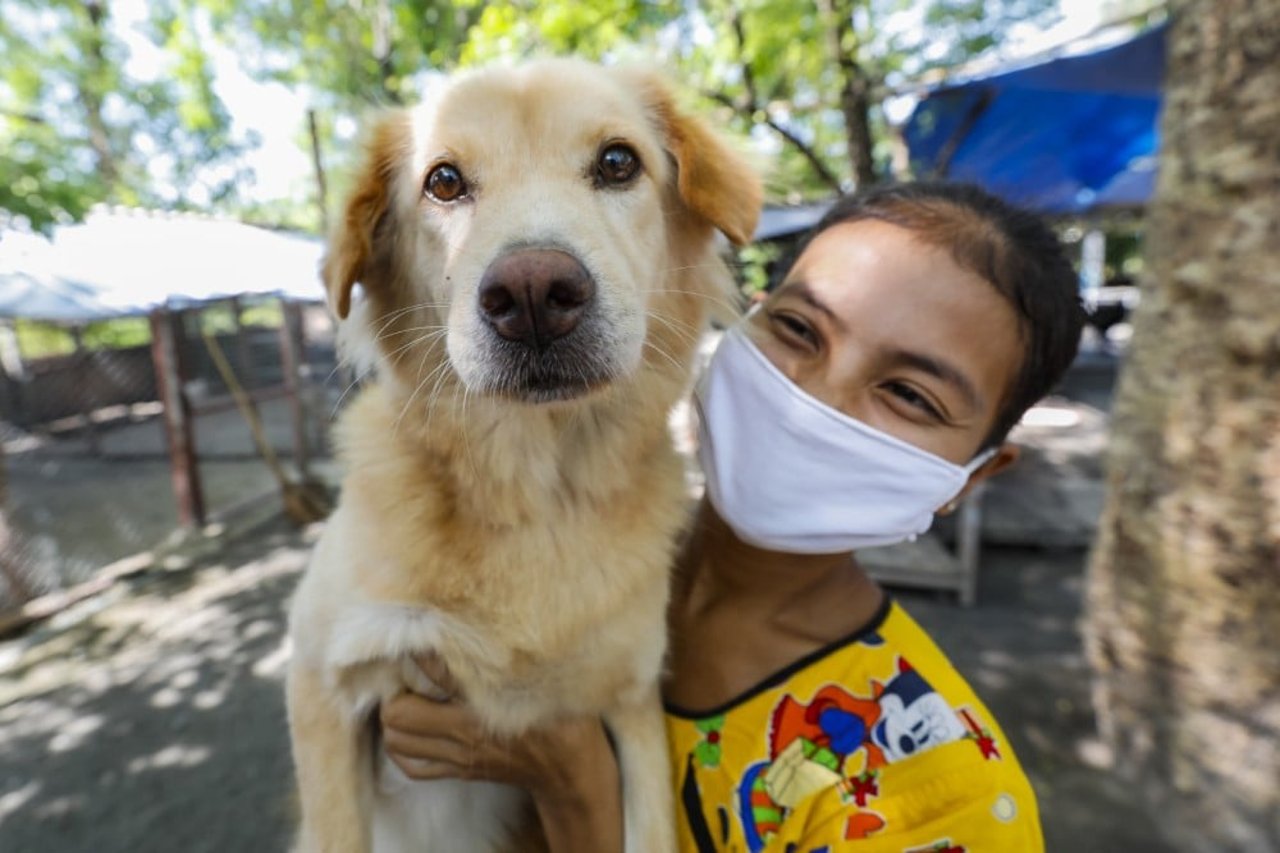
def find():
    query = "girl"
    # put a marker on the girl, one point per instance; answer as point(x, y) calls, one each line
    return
point(806, 710)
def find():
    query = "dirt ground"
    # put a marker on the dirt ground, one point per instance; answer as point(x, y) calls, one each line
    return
point(152, 719)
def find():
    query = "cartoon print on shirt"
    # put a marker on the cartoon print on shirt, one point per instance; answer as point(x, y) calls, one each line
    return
point(840, 740)
point(942, 845)
point(913, 717)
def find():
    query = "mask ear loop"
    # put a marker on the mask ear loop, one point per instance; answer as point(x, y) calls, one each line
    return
point(974, 464)
point(981, 459)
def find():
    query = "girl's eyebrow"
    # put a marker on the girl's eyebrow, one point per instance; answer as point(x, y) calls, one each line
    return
point(801, 290)
point(944, 371)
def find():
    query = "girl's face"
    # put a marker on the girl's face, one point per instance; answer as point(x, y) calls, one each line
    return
point(892, 331)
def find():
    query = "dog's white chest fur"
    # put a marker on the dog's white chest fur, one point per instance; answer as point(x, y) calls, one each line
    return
point(458, 817)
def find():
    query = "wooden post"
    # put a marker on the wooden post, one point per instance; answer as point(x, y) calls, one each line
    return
point(20, 590)
point(291, 358)
point(322, 190)
point(184, 469)
point(15, 372)
point(969, 544)
point(88, 391)
point(242, 342)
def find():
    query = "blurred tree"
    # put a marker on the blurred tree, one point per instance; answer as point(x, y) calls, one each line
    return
point(344, 53)
point(76, 128)
point(809, 74)
point(1184, 587)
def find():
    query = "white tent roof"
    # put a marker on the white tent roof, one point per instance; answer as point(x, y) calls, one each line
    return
point(128, 262)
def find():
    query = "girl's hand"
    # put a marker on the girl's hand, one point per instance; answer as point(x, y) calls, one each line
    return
point(568, 767)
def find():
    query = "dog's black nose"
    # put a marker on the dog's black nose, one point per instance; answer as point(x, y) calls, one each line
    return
point(535, 296)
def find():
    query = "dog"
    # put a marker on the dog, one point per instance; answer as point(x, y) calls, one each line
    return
point(536, 255)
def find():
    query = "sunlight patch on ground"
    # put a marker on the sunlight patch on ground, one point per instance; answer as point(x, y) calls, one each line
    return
point(166, 697)
point(1094, 753)
point(174, 755)
point(208, 699)
point(272, 664)
point(58, 807)
point(14, 800)
point(1050, 417)
point(74, 733)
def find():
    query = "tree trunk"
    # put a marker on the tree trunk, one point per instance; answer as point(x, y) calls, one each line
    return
point(1184, 586)
point(855, 88)
point(751, 106)
point(91, 93)
point(382, 22)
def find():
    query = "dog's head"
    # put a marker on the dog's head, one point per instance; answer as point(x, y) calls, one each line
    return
point(521, 232)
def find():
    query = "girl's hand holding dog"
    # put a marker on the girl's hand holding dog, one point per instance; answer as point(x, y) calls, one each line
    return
point(569, 768)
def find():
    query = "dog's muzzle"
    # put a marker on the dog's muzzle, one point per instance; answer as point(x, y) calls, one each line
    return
point(535, 296)
point(538, 302)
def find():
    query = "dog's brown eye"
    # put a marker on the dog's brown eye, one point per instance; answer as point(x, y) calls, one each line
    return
point(445, 183)
point(617, 165)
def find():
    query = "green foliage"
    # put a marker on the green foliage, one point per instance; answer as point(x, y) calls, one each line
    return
point(119, 333)
point(595, 30)
point(268, 313)
point(42, 340)
point(78, 126)
point(344, 53)
point(76, 129)
point(756, 264)
point(768, 66)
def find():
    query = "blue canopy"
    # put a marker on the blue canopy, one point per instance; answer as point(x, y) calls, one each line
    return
point(1072, 135)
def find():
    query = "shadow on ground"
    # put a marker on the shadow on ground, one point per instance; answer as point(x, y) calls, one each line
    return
point(1021, 648)
point(153, 720)
point(155, 723)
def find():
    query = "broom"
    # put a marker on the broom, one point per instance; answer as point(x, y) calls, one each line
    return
point(306, 500)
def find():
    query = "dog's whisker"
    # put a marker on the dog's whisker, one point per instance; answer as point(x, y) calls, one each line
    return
point(683, 331)
point(711, 265)
point(427, 338)
point(337, 406)
point(418, 388)
point(660, 351)
point(390, 317)
point(723, 301)
point(360, 377)
point(395, 332)
point(466, 434)
point(441, 374)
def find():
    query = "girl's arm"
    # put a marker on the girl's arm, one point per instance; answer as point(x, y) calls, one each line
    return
point(569, 768)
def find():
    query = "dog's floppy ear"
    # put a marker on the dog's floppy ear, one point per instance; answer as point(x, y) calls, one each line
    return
point(714, 181)
point(352, 243)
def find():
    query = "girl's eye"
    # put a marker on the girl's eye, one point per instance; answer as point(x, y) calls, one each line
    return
point(913, 398)
point(794, 326)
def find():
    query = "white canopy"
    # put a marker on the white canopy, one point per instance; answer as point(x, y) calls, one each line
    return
point(128, 262)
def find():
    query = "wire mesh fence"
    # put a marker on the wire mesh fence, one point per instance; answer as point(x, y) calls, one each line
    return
point(115, 435)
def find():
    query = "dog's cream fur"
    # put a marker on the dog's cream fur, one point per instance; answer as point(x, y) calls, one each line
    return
point(527, 543)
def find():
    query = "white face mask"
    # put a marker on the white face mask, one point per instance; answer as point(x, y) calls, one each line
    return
point(789, 473)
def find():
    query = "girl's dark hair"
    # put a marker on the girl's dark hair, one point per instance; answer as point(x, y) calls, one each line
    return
point(1012, 249)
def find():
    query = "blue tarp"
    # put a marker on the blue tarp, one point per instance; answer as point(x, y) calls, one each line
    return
point(1069, 136)
point(777, 223)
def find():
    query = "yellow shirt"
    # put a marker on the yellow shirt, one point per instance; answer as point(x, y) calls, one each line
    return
point(874, 744)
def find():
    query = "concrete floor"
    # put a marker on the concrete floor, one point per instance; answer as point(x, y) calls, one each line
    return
point(151, 718)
